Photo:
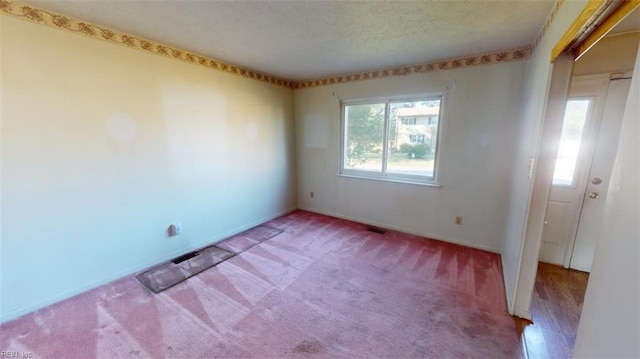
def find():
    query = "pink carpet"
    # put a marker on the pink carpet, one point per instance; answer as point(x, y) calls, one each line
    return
point(325, 288)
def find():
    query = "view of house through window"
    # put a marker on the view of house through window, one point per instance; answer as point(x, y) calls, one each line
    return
point(391, 139)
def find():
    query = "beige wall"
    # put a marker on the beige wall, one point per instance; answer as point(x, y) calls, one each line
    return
point(478, 136)
point(103, 147)
point(614, 53)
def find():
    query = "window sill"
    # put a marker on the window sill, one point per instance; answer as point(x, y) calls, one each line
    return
point(392, 180)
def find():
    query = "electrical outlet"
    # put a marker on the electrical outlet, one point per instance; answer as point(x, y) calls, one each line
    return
point(311, 194)
point(175, 229)
point(458, 219)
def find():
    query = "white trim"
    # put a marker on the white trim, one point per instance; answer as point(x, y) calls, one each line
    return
point(131, 270)
point(403, 180)
point(395, 98)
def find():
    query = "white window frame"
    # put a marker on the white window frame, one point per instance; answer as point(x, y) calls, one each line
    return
point(384, 175)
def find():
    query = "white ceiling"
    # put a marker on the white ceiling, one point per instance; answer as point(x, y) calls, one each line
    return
point(301, 40)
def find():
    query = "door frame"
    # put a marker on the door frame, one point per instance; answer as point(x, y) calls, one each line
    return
point(580, 31)
point(601, 81)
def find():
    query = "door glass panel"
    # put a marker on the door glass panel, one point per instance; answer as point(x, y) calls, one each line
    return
point(575, 118)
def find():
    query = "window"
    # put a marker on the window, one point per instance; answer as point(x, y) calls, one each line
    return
point(376, 144)
point(575, 118)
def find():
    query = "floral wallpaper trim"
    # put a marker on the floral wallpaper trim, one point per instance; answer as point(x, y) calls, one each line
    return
point(604, 5)
point(40, 16)
point(468, 61)
point(44, 17)
point(545, 28)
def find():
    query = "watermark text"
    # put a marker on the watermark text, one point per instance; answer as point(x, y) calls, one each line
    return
point(15, 354)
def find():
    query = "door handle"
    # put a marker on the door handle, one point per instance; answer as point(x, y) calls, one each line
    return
point(594, 195)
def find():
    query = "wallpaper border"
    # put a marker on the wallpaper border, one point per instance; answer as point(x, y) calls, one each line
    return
point(63, 22)
point(547, 24)
point(456, 63)
point(68, 23)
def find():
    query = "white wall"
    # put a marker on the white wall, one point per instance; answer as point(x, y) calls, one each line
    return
point(476, 156)
point(520, 256)
point(610, 321)
point(103, 147)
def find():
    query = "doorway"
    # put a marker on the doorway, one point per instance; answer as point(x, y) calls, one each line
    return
point(612, 59)
point(593, 115)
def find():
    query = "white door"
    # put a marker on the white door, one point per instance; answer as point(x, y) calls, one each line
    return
point(587, 146)
point(589, 227)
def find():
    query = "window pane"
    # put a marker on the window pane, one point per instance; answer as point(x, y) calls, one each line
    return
point(364, 137)
point(413, 132)
point(573, 125)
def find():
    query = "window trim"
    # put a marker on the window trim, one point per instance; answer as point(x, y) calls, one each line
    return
point(383, 175)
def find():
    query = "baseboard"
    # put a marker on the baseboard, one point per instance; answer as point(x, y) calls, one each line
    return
point(399, 229)
point(581, 269)
point(131, 270)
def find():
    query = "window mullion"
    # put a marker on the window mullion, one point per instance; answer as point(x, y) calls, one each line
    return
point(385, 139)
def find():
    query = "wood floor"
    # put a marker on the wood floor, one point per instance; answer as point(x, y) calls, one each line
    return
point(555, 308)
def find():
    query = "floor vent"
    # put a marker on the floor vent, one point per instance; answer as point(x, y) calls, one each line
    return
point(181, 268)
point(184, 257)
point(376, 230)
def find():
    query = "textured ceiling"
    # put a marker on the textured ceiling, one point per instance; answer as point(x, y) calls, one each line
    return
point(302, 40)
